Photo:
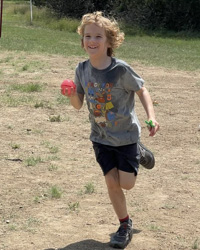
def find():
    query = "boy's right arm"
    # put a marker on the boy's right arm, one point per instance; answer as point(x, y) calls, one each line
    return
point(76, 100)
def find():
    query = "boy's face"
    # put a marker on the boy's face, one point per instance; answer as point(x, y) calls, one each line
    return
point(95, 41)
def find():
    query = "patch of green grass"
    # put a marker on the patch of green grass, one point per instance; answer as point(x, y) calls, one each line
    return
point(41, 40)
point(55, 192)
point(57, 36)
point(161, 51)
point(25, 67)
point(15, 101)
point(26, 88)
point(33, 161)
point(89, 188)
point(6, 60)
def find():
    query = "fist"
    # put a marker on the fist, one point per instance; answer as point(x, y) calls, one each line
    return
point(68, 87)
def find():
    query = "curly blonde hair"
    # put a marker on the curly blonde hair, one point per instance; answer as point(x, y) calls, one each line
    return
point(114, 36)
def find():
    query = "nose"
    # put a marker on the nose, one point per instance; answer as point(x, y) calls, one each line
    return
point(93, 39)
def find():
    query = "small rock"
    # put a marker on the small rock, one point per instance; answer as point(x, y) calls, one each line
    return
point(155, 102)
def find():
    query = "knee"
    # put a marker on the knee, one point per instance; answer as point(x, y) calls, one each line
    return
point(112, 181)
point(127, 180)
point(127, 185)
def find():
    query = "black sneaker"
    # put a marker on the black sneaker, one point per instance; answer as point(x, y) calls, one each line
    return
point(123, 236)
point(147, 159)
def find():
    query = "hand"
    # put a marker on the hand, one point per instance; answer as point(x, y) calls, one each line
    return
point(68, 88)
point(68, 91)
point(153, 129)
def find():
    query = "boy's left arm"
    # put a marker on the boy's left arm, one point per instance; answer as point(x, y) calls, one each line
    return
point(148, 106)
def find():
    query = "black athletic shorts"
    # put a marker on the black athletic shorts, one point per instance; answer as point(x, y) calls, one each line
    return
point(125, 158)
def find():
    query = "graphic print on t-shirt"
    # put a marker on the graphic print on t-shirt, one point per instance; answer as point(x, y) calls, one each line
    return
point(100, 99)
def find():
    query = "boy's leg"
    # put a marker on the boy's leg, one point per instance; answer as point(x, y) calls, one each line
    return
point(116, 193)
point(116, 180)
point(127, 180)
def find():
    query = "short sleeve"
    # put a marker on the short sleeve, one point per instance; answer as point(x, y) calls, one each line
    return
point(77, 81)
point(131, 80)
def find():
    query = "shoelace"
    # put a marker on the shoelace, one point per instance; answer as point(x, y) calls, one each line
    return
point(123, 230)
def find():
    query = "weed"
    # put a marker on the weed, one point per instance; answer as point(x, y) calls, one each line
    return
point(55, 192)
point(15, 146)
point(25, 68)
point(12, 227)
point(10, 127)
point(53, 158)
point(52, 149)
point(89, 188)
point(73, 206)
point(39, 105)
point(32, 161)
point(37, 199)
point(195, 244)
point(43, 104)
point(55, 118)
point(154, 227)
point(52, 167)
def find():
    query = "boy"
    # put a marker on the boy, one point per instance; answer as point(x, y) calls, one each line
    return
point(109, 85)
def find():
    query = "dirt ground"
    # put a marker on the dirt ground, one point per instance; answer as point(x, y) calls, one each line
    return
point(164, 204)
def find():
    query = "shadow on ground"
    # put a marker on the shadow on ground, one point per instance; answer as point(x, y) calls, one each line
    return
point(89, 245)
point(85, 245)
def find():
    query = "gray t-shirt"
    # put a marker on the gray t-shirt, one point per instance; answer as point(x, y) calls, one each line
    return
point(110, 99)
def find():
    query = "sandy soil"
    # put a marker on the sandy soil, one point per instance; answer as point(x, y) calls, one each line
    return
point(164, 204)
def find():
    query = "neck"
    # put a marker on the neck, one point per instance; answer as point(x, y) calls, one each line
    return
point(100, 63)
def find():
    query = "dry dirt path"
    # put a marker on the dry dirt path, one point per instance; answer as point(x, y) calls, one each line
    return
point(164, 204)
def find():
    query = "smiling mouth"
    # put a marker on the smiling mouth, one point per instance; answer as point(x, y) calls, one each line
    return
point(92, 47)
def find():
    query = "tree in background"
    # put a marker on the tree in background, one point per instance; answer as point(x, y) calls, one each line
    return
point(75, 8)
point(174, 15)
